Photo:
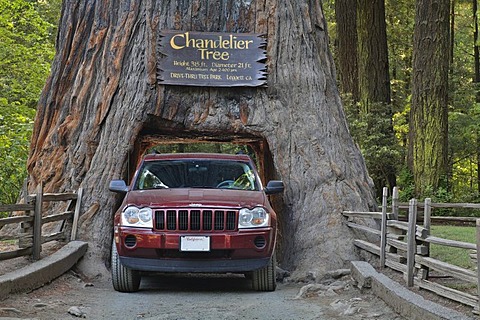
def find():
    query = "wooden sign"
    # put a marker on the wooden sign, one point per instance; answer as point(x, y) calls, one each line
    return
point(212, 59)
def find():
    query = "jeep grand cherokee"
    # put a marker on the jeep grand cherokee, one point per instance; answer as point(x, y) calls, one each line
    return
point(195, 213)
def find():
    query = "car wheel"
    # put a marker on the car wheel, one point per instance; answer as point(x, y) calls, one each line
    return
point(123, 279)
point(264, 279)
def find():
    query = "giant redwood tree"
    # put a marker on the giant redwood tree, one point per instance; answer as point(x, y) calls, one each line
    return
point(103, 106)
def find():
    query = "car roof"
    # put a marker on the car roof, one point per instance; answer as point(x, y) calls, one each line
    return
point(206, 156)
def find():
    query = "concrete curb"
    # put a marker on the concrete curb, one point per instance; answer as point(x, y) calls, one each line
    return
point(403, 301)
point(43, 271)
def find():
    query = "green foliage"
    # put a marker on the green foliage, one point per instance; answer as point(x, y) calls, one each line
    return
point(405, 185)
point(400, 23)
point(25, 55)
point(372, 132)
point(204, 147)
point(464, 115)
point(461, 184)
point(15, 131)
point(50, 12)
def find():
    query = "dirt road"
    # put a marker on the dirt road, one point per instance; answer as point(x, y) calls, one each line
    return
point(194, 297)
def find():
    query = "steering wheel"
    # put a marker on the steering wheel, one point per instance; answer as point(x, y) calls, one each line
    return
point(225, 184)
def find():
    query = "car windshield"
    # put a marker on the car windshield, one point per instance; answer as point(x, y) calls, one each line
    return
point(216, 174)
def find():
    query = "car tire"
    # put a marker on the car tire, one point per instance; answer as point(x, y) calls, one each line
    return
point(264, 279)
point(123, 278)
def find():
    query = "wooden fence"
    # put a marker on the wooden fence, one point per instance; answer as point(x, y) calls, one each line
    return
point(30, 237)
point(405, 247)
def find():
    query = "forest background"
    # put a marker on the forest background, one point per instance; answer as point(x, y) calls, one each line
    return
point(382, 129)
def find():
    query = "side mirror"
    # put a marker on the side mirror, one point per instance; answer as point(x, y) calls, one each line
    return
point(274, 186)
point(118, 186)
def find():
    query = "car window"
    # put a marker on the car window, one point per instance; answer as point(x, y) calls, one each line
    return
point(216, 174)
point(148, 180)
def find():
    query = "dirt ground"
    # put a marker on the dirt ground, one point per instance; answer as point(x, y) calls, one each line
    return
point(172, 297)
point(197, 297)
point(190, 297)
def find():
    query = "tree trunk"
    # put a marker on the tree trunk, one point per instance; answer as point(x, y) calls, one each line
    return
point(429, 111)
point(374, 92)
point(452, 34)
point(102, 108)
point(476, 80)
point(346, 16)
point(374, 79)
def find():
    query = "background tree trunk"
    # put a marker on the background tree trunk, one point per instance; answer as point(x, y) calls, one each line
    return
point(374, 78)
point(476, 81)
point(429, 111)
point(102, 107)
point(346, 19)
point(374, 91)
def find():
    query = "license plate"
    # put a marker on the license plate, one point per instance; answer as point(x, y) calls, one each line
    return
point(195, 243)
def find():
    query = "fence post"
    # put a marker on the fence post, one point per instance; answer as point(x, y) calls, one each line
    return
point(383, 229)
point(395, 203)
point(37, 223)
point(478, 260)
point(411, 241)
point(427, 213)
point(76, 215)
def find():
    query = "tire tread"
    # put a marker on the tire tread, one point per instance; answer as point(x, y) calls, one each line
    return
point(264, 279)
point(123, 278)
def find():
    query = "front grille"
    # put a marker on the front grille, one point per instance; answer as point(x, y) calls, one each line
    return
point(195, 220)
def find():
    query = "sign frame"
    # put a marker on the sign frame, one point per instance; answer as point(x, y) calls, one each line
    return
point(212, 59)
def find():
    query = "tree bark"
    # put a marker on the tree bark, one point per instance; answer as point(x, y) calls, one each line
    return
point(102, 108)
point(374, 91)
point(429, 111)
point(346, 19)
point(374, 78)
point(476, 80)
point(452, 33)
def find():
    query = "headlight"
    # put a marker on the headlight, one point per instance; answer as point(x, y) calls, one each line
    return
point(253, 218)
point(135, 217)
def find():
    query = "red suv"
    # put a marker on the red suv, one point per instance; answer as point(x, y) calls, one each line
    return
point(205, 213)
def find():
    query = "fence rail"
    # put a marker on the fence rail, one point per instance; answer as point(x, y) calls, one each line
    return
point(405, 245)
point(30, 237)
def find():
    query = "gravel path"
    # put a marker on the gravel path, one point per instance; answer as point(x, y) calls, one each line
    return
point(194, 297)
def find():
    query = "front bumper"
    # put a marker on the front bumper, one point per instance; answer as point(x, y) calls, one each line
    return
point(238, 251)
point(204, 266)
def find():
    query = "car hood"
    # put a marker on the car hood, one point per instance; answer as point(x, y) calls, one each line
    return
point(196, 198)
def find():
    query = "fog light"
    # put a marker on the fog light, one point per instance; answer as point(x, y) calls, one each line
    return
point(130, 241)
point(260, 242)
